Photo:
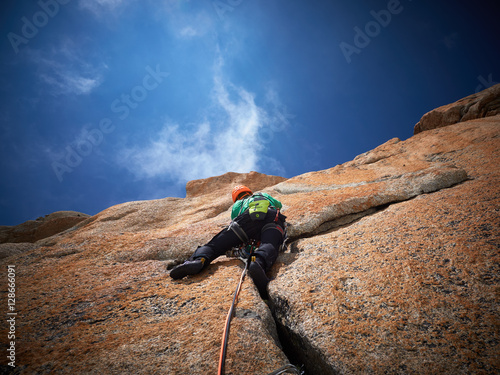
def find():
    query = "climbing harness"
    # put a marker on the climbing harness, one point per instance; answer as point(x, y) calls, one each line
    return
point(238, 230)
point(245, 254)
point(243, 251)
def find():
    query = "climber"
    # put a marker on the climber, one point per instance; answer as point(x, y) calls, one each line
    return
point(254, 216)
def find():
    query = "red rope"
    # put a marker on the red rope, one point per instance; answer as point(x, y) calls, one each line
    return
point(223, 349)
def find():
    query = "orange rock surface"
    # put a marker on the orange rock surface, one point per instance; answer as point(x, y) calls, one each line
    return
point(482, 104)
point(413, 287)
point(34, 230)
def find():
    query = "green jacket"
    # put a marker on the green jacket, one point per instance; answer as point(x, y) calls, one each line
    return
point(242, 205)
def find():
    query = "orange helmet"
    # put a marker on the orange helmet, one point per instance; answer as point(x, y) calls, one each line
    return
point(239, 192)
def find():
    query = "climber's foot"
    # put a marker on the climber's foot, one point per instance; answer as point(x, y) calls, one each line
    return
point(259, 279)
point(189, 267)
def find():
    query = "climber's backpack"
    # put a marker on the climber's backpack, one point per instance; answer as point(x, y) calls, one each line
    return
point(258, 207)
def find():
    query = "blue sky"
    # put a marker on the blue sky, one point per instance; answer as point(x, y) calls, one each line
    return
point(109, 101)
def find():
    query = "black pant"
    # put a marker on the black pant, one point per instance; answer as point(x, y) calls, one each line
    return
point(270, 239)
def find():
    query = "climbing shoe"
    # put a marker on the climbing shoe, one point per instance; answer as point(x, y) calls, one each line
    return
point(189, 267)
point(259, 278)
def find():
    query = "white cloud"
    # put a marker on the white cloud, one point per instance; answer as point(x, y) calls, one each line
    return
point(100, 7)
point(67, 82)
point(232, 137)
point(188, 31)
point(184, 22)
point(228, 142)
point(65, 72)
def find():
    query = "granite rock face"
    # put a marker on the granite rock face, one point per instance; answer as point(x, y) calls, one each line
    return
point(411, 287)
point(482, 104)
point(98, 299)
point(392, 267)
point(34, 230)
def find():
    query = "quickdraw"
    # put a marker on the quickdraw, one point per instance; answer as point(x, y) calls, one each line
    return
point(243, 252)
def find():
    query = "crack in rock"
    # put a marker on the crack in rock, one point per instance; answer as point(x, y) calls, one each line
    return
point(400, 188)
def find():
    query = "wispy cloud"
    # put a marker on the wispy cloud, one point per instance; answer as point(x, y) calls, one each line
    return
point(100, 7)
point(188, 32)
point(230, 138)
point(64, 71)
point(228, 141)
point(67, 82)
point(184, 21)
